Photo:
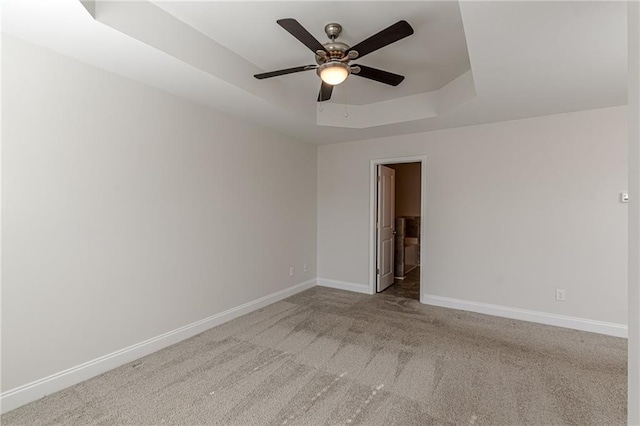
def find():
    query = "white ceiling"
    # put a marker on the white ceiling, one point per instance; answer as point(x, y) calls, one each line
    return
point(526, 58)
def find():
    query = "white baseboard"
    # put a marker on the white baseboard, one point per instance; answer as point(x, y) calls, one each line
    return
point(342, 285)
point(24, 394)
point(608, 328)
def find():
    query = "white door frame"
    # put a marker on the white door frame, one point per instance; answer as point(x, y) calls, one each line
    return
point(373, 208)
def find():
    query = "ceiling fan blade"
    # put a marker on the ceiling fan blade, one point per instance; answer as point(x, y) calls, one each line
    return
point(395, 32)
point(385, 77)
point(325, 92)
point(298, 31)
point(284, 71)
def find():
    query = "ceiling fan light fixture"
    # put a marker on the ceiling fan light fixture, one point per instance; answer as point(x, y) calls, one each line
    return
point(333, 57)
point(334, 73)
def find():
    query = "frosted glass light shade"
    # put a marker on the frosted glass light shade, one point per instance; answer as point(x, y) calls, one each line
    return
point(333, 73)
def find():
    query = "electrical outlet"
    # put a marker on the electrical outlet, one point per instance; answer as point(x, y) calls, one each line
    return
point(305, 268)
point(291, 271)
point(560, 294)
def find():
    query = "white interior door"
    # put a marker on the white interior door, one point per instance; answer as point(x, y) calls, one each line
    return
point(385, 226)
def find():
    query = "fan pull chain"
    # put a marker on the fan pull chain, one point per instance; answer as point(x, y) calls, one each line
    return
point(346, 101)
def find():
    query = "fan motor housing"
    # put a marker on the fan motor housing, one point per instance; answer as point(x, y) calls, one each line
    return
point(336, 51)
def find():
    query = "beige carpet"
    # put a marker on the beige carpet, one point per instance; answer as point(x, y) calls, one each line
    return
point(331, 357)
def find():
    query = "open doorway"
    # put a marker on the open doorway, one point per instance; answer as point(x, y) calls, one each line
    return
point(398, 219)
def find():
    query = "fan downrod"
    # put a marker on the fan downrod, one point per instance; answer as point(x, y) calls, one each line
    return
point(334, 50)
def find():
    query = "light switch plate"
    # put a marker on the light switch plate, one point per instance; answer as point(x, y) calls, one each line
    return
point(624, 197)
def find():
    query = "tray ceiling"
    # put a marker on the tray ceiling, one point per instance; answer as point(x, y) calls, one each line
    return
point(467, 62)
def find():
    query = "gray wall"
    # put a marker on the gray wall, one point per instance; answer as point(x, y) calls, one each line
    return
point(514, 210)
point(128, 213)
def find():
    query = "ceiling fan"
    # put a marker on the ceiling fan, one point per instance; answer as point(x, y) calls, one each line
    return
point(333, 57)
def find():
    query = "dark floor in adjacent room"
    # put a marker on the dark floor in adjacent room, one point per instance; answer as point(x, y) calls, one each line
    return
point(328, 356)
point(408, 287)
